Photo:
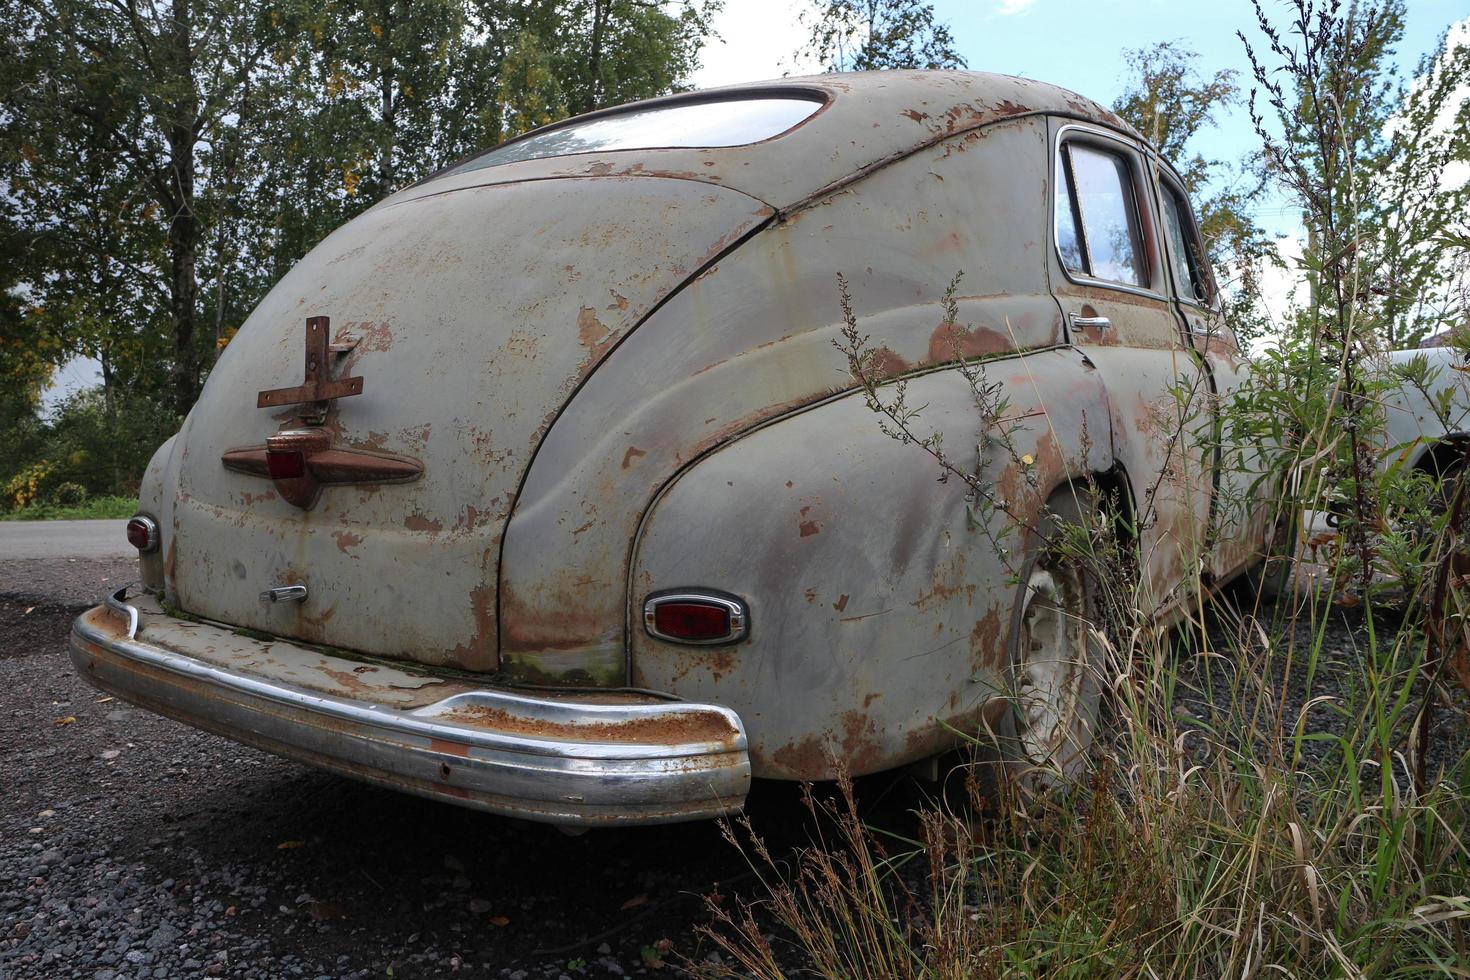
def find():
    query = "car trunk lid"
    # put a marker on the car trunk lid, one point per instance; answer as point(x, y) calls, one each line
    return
point(450, 331)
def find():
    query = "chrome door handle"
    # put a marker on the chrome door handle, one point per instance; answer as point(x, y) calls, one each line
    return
point(284, 593)
point(1100, 322)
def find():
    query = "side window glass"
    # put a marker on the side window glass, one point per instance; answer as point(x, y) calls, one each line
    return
point(1185, 255)
point(1069, 244)
point(1102, 219)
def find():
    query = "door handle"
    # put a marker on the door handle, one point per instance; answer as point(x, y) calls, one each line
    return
point(1099, 322)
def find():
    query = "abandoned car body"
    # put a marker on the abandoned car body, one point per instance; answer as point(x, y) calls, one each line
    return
point(578, 516)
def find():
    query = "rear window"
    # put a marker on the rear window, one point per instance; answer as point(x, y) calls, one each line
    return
point(726, 122)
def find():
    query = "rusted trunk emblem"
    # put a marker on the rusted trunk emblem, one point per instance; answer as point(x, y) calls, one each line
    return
point(300, 461)
point(317, 387)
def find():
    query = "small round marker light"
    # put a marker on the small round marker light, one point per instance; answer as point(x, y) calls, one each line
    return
point(143, 533)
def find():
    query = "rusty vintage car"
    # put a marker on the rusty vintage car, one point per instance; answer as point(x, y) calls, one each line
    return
point(572, 511)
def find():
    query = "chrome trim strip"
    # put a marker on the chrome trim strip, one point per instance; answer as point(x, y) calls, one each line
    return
point(550, 778)
point(130, 613)
point(732, 604)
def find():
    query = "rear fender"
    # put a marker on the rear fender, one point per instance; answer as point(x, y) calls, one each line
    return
point(880, 590)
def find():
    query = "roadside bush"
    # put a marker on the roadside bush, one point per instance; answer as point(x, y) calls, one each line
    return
point(27, 486)
point(88, 449)
point(69, 495)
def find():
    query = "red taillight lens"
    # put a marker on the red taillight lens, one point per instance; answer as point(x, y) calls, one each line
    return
point(285, 465)
point(696, 616)
point(691, 621)
point(143, 533)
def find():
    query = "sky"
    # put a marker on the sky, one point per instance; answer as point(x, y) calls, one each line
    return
point(1073, 43)
point(1081, 46)
point(1076, 44)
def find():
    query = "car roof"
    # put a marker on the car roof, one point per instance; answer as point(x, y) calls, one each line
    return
point(866, 120)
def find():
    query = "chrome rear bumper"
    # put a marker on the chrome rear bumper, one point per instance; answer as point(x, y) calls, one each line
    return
point(569, 761)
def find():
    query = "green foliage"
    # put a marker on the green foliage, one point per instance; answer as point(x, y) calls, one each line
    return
point(528, 93)
point(866, 35)
point(166, 163)
point(1369, 158)
point(91, 445)
point(97, 509)
point(1169, 101)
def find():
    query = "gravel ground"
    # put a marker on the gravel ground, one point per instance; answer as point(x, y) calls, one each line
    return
point(132, 846)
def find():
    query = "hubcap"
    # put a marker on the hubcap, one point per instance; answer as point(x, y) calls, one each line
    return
point(1053, 652)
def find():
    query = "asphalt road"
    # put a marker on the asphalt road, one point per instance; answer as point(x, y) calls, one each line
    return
point(64, 539)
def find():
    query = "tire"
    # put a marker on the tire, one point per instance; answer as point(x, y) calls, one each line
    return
point(1044, 741)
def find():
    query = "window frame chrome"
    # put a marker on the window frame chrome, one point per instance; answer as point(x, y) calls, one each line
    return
point(1142, 193)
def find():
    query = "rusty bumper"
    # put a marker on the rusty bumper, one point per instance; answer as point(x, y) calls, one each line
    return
point(575, 762)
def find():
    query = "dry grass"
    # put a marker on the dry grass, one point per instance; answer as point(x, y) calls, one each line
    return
point(1240, 839)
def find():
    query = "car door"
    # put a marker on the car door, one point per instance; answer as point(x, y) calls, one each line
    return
point(1237, 524)
point(1109, 279)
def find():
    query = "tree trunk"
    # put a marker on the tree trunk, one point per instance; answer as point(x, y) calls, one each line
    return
point(109, 410)
point(600, 12)
point(183, 226)
point(389, 108)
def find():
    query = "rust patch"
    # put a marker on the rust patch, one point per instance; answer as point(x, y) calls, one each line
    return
point(809, 758)
point(840, 605)
point(371, 337)
point(322, 620)
point(349, 681)
point(590, 331)
point(668, 729)
point(633, 453)
point(943, 593)
point(915, 115)
point(886, 363)
point(418, 522)
point(985, 647)
point(860, 748)
point(447, 747)
point(346, 541)
point(950, 340)
point(480, 652)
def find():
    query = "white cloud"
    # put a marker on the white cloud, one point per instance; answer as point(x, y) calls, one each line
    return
point(757, 40)
point(1009, 8)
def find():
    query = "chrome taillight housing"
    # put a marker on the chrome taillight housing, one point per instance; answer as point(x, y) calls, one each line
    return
point(143, 533)
point(703, 617)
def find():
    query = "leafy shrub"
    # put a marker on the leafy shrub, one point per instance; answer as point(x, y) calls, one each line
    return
point(25, 487)
point(68, 494)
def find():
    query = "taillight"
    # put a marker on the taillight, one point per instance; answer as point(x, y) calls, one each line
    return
point(143, 533)
point(695, 616)
point(285, 465)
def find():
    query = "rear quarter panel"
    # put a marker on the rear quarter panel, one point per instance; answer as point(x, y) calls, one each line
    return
point(881, 593)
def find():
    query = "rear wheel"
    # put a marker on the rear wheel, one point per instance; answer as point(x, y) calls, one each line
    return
point(1054, 694)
